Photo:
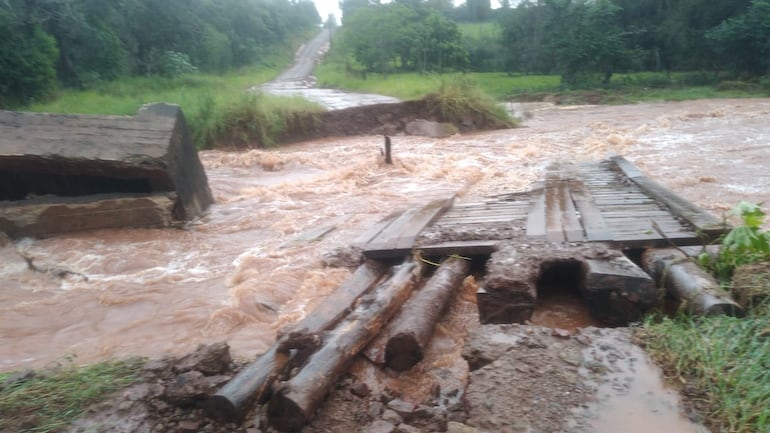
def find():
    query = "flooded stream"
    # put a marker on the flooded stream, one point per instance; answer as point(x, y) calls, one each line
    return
point(247, 269)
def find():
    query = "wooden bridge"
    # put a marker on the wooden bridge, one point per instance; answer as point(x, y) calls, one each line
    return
point(573, 225)
point(609, 201)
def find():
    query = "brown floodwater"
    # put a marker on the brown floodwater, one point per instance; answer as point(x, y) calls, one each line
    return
point(245, 270)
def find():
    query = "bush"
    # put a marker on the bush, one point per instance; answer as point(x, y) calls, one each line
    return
point(461, 97)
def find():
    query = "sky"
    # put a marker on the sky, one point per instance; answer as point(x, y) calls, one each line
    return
point(325, 7)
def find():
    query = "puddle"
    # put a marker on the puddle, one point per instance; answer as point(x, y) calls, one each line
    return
point(562, 310)
point(633, 397)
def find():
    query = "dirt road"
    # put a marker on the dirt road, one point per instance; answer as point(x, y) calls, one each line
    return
point(298, 80)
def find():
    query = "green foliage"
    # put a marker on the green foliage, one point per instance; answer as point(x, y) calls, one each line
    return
point(49, 400)
point(742, 40)
point(252, 120)
point(726, 359)
point(396, 36)
point(744, 244)
point(209, 102)
point(94, 40)
point(27, 58)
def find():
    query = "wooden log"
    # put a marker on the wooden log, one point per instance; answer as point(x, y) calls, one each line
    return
point(402, 344)
point(253, 383)
point(684, 279)
point(617, 290)
point(296, 400)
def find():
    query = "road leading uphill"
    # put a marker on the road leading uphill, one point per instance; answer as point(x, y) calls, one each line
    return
point(298, 80)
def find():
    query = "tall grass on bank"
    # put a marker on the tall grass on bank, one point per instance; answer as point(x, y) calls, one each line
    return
point(726, 359)
point(212, 104)
point(459, 97)
point(50, 400)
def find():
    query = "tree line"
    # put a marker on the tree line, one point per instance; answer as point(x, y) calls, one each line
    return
point(578, 39)
point(47, 43)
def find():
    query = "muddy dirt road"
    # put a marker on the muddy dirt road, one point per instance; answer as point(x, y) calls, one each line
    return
point(298, 80)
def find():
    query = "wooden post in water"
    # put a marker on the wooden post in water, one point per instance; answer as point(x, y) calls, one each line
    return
point(388, 158)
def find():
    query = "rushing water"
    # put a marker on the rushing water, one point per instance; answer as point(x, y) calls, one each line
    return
point(245, 270)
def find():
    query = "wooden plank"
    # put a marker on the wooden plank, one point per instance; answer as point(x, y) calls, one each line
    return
point(554, 231)
point(420, 220)
point(364, 238)
point(694, 215)
point(536, 218)
point(573, 230)
point(386, 239)
point(463, 248)
point(590, 216)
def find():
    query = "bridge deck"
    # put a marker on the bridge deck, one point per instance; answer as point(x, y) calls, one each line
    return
point(608, 201)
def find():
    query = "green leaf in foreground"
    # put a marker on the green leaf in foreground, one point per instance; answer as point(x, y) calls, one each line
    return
point(49, 400)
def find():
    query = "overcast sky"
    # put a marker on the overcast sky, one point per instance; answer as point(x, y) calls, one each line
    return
point(325, 7)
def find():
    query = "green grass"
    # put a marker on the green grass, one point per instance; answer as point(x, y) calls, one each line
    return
point(480, 30)
point(212, 104)
point(52, 399)
point(725, 358)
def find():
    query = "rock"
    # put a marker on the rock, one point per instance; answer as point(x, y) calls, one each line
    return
point(403, 408)
point(209, 359)
point(188, 427)
point(392, 417)
point(360, 389)
point(427, 128)
point(406, 428)
point(375, 409)
point(187, 388)
point(456, 427)
point(380, 426)
point(561, 333)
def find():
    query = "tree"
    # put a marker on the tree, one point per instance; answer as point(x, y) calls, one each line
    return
point(27, 59)
point(586, 39)
point(743, 41)
point(408, 38)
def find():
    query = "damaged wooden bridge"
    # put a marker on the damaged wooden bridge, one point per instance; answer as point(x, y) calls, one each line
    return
point(583, 221)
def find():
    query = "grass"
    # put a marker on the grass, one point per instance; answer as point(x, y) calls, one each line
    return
point(219, 109)
point(50, 400)
point(480, 30)
point(213, 104)
point(726, 359)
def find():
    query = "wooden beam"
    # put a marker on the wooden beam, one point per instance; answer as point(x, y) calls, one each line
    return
point(296, 400)
point(699, 292)
point(617, 291)
point(679, 206)
point(401, 345)
point(252, 383)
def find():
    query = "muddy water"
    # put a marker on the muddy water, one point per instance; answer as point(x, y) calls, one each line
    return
point(246, 270)
point(632, 397)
